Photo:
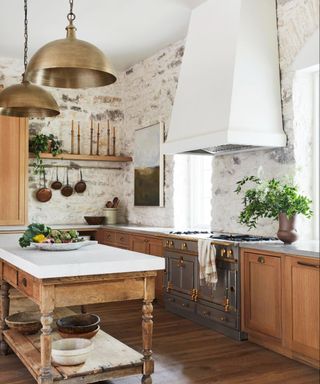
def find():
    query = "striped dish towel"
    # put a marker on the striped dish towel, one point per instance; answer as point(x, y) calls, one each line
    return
point(207, 262)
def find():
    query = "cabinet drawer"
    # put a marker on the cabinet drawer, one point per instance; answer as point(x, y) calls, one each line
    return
point(217, 316)
point(28, 285)
point(122, 238)
point(10, 275)
point(178, 302)
point(108, 237)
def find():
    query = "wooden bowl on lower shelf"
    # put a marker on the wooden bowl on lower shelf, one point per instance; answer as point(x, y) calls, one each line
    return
point(77, 324)
point(85, 335)
point(26, 323)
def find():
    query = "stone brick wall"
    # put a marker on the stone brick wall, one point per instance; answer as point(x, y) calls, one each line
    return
point(143, 95)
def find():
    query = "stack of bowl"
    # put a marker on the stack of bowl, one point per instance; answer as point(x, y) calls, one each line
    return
point(84, 326)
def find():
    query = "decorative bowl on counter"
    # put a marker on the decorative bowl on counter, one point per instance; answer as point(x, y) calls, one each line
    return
point(94, 220)
point(78, 324)
point(71, 351)
point(26, 323)
point(63, 246)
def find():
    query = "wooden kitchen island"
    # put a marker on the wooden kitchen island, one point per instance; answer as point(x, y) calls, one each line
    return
point(93, 274)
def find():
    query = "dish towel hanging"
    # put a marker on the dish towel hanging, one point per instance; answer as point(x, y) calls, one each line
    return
point(207, 262)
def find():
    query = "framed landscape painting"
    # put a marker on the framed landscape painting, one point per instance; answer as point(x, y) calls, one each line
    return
point(149, 166)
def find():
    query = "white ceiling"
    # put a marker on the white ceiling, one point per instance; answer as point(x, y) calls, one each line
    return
point(126, 30)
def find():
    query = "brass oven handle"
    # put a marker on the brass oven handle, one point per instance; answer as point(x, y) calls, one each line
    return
point(308, 264)
point(261, 260)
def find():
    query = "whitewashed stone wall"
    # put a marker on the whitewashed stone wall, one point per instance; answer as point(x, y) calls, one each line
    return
point(143, 95)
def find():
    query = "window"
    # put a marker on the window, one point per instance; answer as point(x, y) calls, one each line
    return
point(193, 191)
point(316, 154)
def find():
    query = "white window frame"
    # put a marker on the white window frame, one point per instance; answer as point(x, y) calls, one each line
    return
point(316, 154)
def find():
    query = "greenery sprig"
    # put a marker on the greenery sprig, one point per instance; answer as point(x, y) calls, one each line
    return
point(43, 143)
point(270, 198)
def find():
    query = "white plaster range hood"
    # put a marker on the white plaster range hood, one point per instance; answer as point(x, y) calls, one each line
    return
point(228, 96)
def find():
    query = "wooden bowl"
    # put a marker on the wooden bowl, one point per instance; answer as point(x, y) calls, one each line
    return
point(86, 335)
point(71, 351)
point(94, 220)
point(77, 324)
point(26, 323)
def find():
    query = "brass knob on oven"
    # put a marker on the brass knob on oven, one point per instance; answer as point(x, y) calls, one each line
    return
point(229, 253)
point(222, 252)
point(171, 244)
point(167, 243)
point(184, 247)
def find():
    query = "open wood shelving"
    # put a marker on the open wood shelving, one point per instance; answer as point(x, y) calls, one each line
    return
point(70, 156)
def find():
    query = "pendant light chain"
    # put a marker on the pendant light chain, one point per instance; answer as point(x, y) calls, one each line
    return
point(71, 16)
point(25, 59)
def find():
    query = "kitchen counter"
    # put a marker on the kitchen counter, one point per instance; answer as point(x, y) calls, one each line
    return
point(89, 260)
point(300, 248)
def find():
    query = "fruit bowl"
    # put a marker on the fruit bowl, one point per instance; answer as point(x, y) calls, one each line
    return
point(63, 246)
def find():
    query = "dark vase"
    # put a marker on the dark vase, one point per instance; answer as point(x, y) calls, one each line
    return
point(287, 229)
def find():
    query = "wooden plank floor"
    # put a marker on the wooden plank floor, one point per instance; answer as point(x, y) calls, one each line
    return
point(185, 353)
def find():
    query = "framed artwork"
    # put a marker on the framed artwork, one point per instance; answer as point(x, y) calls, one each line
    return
point(149, 166)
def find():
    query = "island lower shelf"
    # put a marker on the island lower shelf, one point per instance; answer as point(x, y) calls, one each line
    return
point(109, 359)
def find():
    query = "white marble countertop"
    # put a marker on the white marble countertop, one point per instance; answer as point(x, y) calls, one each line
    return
point(22, 228)
point(308, 248)
point(90, 260)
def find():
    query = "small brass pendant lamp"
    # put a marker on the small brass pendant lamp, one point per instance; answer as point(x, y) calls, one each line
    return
point(70, 63)
point(25, 99)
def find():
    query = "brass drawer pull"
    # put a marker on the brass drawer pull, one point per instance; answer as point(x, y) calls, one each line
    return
point(121, 238)
point(24, 282)
point(261, 260)
point(206, 313)
point(220, 318)
point(308, 264)
point(185, 305)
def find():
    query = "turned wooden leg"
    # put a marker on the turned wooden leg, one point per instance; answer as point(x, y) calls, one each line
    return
point(5, 302)
point(45, 342)
point(147, 330)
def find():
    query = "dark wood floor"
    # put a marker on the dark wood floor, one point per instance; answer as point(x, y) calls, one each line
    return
point(185, 353)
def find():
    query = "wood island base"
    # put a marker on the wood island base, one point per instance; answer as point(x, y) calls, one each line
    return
point(110, 358)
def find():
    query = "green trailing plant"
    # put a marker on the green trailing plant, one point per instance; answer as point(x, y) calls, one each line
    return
point(267, 199)
point(42, 143)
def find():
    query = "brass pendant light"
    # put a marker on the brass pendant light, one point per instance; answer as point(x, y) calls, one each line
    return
point(25, 99)
point(70, 63)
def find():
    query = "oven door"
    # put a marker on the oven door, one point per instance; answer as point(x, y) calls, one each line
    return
point(224, 297)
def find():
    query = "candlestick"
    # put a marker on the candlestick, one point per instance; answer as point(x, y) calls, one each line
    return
point(78, 138)
point(98, 140)
point(72, 137)
point(108, 148)
point(91, 138)
point(113, 141)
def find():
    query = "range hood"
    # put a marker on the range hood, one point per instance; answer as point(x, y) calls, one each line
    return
point(228, 95)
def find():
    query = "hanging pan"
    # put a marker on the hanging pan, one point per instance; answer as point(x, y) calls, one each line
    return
point(56, 185)
point(67, 190)
point(81, 186)
point(44, 194)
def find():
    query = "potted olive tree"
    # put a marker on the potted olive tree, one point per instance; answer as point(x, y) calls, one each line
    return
point(276, 200)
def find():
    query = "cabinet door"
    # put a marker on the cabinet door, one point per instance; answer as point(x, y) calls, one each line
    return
point(181, 273)
point(13, 170)
point(302, 285)
point(106, 237)
point(155, 248)
point(262, 294)
point(138, 244)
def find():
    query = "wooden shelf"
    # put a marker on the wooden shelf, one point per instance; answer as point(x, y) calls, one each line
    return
point(109, 359)
point(69, 156)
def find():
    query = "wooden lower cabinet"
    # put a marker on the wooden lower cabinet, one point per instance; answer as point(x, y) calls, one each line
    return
point(138, 243)
point(262, 300)
point(302, 307)
point(280, 303)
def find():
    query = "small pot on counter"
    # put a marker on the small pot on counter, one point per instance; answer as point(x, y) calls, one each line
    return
point(287, 229)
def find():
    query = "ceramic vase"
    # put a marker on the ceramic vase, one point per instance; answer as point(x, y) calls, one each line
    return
point(287, 229)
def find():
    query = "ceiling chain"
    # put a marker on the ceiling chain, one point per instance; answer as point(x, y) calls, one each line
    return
point(71, 16)
point(25, 57)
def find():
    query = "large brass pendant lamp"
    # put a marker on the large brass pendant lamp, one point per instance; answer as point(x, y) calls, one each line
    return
point(25, 99)
point(70, 63)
